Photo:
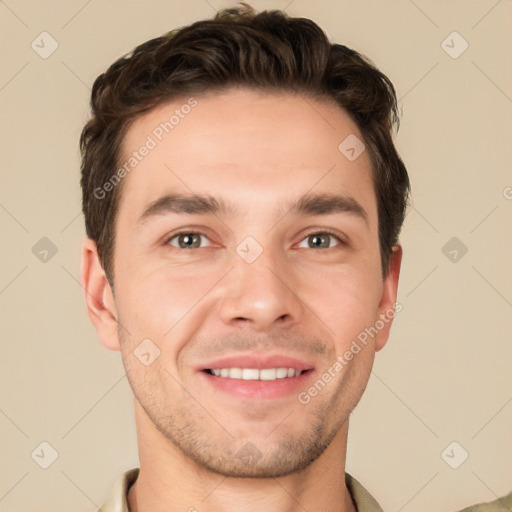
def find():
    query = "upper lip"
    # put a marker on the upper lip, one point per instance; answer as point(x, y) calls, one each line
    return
point(257, 361)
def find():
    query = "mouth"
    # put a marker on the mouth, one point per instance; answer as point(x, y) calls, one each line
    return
point(255, 378)
point(254, 373)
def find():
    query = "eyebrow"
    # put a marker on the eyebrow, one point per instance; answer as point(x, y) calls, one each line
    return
point(204, 204)
point(326, 204)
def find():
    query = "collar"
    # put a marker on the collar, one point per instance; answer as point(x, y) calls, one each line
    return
point(117, 501)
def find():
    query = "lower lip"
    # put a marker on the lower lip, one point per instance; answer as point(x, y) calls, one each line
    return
point(259, 389)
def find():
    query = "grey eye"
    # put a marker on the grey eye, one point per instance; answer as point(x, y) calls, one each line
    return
point(187, 240)
point(319, 241)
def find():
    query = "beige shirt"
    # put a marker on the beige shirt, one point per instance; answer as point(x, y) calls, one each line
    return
point(117, 501)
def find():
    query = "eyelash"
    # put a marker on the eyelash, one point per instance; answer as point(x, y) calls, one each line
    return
point(323, 232)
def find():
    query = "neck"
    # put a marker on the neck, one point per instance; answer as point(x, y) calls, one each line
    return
point(169, 481)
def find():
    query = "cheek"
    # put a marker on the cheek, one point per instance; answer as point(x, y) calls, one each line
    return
point(347, 301)
point(153, 302)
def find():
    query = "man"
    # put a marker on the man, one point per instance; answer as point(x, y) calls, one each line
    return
point(243, 200)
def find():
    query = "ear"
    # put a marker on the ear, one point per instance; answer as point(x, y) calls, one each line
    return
point(98, 296)
point(388, 306)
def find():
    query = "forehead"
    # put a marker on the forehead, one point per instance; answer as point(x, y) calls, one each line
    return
point(241, 145)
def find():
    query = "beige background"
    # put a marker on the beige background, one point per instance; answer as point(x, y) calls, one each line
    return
point(444, 376)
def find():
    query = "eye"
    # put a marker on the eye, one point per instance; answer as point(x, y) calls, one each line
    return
point(321, 240)
point(193, 240)
point(187, 240)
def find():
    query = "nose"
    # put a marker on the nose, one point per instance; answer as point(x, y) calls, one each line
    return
point(261, 294)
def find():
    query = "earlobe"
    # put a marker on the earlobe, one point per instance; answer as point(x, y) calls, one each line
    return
point(387, 309)
point(98, 294)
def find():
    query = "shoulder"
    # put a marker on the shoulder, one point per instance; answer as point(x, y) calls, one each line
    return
point(117, 501)
point(503, 504)
point(362, 499)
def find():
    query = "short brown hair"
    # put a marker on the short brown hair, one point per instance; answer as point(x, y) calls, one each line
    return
point(267, 51)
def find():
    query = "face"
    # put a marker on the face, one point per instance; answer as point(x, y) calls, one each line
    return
point(247, 265)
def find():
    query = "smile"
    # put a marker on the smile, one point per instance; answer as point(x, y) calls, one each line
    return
point(254, 373)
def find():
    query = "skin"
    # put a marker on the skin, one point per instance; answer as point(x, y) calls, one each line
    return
point(259, 152)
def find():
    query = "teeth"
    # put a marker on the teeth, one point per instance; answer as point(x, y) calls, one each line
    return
point(269, 373)
point(235, 373)
point(255, 374)
point(281, 373)
point(249, 374)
